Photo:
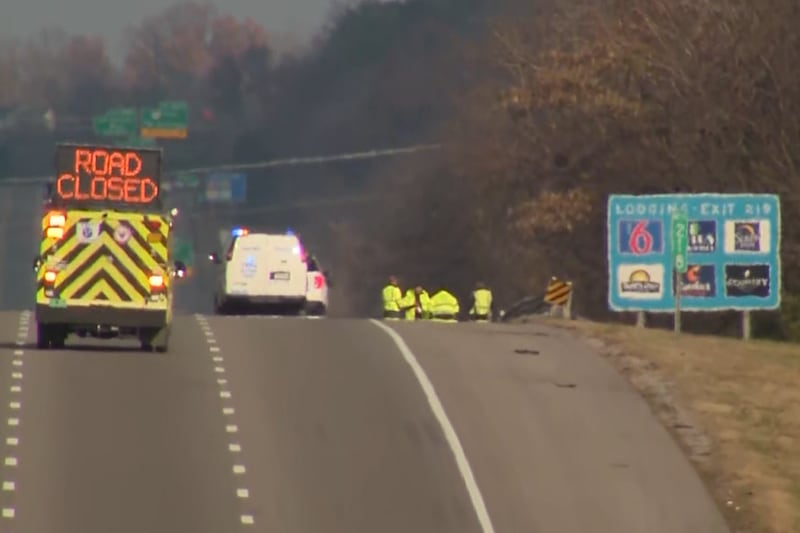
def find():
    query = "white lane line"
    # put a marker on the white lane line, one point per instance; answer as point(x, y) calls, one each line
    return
point(16, 363)
point(449, 431)
point(228, 412)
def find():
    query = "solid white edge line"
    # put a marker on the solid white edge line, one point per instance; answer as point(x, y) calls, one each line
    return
point(447, 428)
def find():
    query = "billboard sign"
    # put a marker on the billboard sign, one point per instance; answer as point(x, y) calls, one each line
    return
point(732, 254)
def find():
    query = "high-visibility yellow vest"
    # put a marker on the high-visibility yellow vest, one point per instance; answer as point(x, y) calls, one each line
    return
point(482, 305)
point(410, 302)
point(444, 306)
point(392, 298)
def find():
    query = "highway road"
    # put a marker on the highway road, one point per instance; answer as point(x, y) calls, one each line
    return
point(334, 426)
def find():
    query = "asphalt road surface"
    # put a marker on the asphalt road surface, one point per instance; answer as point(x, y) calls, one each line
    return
point(329, 426)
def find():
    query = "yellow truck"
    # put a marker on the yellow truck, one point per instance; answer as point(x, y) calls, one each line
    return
point(104, 268)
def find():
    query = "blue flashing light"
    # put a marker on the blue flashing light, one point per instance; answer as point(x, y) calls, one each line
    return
point(289, 231)
point(238, 232)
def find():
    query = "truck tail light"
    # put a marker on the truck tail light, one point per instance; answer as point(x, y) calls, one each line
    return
point(156, 282)
point(319, 281)
point(55, 233)
point(50, 277)
point(55, 225)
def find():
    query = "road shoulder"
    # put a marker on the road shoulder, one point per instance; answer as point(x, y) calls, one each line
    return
point(733, 406)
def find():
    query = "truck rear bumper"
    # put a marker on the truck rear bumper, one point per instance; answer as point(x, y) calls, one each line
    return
point(101, 315)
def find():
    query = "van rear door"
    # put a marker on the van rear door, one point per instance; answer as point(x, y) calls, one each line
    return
point(268, 266)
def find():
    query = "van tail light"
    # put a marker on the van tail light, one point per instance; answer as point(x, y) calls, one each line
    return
point(156, 282)
point(50, 277)
point(319, 281)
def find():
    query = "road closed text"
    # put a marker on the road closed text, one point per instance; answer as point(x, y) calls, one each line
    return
point(107, 175)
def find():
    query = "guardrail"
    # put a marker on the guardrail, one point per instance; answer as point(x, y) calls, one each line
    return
point(555, 301)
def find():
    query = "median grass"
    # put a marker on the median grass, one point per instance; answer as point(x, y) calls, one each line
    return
point(734, 405)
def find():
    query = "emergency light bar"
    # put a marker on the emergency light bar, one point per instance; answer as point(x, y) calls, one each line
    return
point(238, 232)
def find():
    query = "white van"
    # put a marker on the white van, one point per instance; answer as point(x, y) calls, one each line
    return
point(262, 270)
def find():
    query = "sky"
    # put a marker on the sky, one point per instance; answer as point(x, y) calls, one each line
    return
point(291, 22)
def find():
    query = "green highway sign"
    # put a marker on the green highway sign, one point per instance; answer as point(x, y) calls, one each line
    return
point(121, 122)
point(680, 241)
point(170, 120)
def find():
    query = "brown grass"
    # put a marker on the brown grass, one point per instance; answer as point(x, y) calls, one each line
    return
point(734, 406)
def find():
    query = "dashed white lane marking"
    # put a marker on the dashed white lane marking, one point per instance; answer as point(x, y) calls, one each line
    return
point(9, 485)
point(228, 411)
point(449, 431)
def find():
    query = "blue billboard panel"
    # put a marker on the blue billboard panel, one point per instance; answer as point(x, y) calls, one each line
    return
point(733, 252)
point(226, 187)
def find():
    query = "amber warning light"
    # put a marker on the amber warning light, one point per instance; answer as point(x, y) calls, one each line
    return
point(108, 176)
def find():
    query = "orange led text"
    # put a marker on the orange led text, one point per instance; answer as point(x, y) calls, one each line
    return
point(107, 175)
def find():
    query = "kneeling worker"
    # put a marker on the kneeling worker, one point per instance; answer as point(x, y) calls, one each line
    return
point(444, 306)
point(392, 300)
point(482, 303)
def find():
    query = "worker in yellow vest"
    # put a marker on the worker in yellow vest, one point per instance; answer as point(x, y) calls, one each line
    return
point(482, 303)
point(444, 306)
point(392, 300)
point(416, 303)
